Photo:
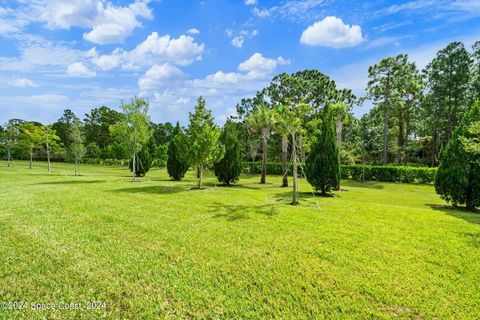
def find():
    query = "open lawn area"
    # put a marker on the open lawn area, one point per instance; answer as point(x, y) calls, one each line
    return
point(154, 249)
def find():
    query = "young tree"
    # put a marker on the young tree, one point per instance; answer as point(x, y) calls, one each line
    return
point(31, 137)
point(458, 176)
point(133, 129)
point(228, 169)
point(9, 139)
point(322, 167)
point(262, 121)
point(143, 162)
point(50, 141)
point(200, 146)
point(77, 149)
point(176, 167)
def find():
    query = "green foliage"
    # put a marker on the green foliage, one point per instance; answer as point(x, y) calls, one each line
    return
point(63, 126)
point(143, 162)
point(228, 169)
point(458, 176)
point(160, 156)
point(76, 149)
point(176, 167)
point(200, 145)
point(93, 150)
point(322, 166)
point(401, 174)
point(97, 126)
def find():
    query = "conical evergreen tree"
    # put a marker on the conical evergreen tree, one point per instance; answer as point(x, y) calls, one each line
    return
point(143, 162)
point(322, 165)
point(458, 176)
point(176, 168)
point(229, 168)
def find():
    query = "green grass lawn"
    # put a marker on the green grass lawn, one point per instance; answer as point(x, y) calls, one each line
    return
point(155, 249)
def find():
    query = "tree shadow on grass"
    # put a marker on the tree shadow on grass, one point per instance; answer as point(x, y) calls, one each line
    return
point(239, 212)
point(363, 184)
point(153, 189)
point(69, 182)
point(458, 212)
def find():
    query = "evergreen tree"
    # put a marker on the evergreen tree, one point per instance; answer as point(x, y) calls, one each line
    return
point(175, 166)
point(229, 168)
point(322, 166)
point(458, 176)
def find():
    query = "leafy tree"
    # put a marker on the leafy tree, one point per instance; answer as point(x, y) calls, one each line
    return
point(458, 176)
point(31, 137)
point(97, 125)
point(262, 121)
point(93, 150)
point(228, 169)
point(162, 132)
point(474, 88)
point(472, 142)
point(50, 141)
point(133, 130)
point(63, 126)
point(176, 167)
point(9, 139)
point(447, 81)
point(76, 149)
point(322, 166)
point(200, 146)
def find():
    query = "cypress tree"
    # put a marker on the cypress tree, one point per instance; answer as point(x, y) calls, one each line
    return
point(322, 165)
point(458, 176)
point(229, 168)
point(143, 162)
point(176, 168)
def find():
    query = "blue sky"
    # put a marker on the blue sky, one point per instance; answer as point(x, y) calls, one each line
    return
point(81, 54)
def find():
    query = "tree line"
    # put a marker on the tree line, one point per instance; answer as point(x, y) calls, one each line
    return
point(302, 120)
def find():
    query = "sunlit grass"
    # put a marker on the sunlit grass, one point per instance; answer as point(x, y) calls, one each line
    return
point(155, 249)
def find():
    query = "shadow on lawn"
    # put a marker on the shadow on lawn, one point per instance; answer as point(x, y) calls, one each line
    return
point(239, 212)
point(458, 212)
point(69, 182)
point(153, 189)
point(362, 184)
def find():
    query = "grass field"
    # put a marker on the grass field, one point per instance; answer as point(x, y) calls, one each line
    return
point(155, 249)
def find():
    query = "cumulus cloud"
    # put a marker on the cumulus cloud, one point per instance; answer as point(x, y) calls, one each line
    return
point(332, 32)
point(158, 75)
point(259, 65)
point(22, 83)
point(78, 69)
point(108, 23)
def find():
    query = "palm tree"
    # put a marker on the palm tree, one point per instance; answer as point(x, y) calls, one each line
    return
point(262, 121)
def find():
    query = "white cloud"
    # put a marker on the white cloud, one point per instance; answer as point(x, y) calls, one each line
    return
point(108, 23)
point(78, 69)
point(259, 65)
point(108, 61)
point(22, 83)
point(193, 31)
point(158, 75)
point(332, 32)
point(238, 41)
point(250, 2)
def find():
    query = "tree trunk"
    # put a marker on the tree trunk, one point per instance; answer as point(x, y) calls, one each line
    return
point(200, 176)
point(295, 178)
point(31, 159)
point(264, 161)
point(48, 159)
point(76, 168)
point(134, 177)
point(8, 157)
point(401, 138)
point(285, 161)
point(434, 146)
point(385, 135)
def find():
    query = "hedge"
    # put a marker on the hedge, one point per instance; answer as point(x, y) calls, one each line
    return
point(359, 172)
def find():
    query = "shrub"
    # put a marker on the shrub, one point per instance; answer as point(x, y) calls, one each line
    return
point(176, 167)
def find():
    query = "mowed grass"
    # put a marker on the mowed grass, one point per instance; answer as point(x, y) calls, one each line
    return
point(154, 249)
